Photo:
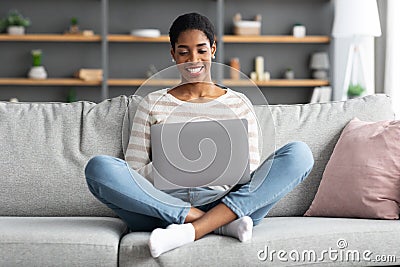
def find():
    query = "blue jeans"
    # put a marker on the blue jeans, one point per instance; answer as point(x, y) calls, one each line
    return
point(143, 207)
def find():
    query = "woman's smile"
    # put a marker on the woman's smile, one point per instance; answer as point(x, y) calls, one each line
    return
point(195, 70)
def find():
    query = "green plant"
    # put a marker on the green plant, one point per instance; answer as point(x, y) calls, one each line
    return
point(14, 18)
point(355, 90)
point(36, 57)
point(74, 21)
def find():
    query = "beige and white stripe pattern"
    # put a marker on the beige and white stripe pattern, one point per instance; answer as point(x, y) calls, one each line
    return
point(162, 107)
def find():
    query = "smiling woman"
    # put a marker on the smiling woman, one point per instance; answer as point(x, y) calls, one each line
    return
point(193, 46)
point(180, 216)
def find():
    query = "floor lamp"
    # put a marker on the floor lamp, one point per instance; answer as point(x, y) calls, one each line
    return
point(355, 19)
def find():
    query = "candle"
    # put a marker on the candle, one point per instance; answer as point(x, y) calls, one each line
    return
point(235, 68)
point(259, 67)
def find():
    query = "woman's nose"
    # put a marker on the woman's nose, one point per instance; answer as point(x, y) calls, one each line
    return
point(193, 57)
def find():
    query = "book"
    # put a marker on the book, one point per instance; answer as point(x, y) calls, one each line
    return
point(89, 74)
point(321, 94)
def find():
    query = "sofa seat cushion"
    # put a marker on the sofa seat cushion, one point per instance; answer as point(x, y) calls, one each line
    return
point(286, 234)
point(60, 241)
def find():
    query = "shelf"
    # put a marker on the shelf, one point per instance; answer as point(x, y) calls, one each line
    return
point(50, 38)
point(227, 82)
point(275, 39)
point(229, 39)
point(139, 82)
point(131, 38)
point(161, 39)
point(48, 82)
point(279, 83)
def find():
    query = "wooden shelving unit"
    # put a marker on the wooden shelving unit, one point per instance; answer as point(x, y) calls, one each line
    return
point(49, 38)
point(105, 40)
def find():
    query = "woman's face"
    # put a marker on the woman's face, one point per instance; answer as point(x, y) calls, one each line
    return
point(193, 54)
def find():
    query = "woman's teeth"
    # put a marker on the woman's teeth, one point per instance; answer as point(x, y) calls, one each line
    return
point(195, 70)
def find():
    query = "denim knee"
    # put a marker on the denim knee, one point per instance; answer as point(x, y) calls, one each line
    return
point(301, 151)
point(96, 166)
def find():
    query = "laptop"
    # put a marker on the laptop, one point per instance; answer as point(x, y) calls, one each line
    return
point(200, 153)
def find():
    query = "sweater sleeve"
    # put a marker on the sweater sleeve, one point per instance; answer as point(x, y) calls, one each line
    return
point(138, 154)
point(253, 133)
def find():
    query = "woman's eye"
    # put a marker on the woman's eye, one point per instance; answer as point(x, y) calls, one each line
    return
point(182, 53)
point(202, 51)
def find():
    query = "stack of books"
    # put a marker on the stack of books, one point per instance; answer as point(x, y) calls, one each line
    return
point(321, 94)
point(89, 74)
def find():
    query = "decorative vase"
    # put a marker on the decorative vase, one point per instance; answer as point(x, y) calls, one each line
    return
point(37, 72)
point(299, 31)
point(289, 74)
point(16, 30)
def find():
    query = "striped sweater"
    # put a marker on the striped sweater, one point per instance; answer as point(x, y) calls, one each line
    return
point(162, 107)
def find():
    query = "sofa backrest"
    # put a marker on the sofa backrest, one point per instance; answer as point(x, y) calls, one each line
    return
point(319, 125)
point(44, 148)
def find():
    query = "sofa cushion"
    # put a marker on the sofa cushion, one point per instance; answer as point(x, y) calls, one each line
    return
point(362, 177)
point(288, 234)
point(319, 125)
point(44, 148)
point(57, 241)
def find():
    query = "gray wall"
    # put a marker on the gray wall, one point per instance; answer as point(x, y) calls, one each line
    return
point(131, 60)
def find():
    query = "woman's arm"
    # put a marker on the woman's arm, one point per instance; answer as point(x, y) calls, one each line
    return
point(138, 154)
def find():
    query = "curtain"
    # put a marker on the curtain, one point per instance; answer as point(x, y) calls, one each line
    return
point(392, 57)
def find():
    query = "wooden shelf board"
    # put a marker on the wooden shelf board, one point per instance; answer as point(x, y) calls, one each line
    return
point(161, 82)
point(227, 82)
point(48, 82)
point(275, 39)
point(131, 38)
point(139, 82)
point(278, 83)
point(50, 38)
point(161, 39)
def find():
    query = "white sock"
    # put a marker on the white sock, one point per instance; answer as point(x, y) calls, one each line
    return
point(163, 240)
point(241, 229)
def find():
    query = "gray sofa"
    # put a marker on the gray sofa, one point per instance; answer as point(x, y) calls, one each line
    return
point(48, 217)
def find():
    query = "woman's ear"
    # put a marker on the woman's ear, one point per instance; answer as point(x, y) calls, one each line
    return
point(172, 54)
point(213, 49)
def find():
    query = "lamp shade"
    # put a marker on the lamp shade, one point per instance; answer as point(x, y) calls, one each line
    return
point(356, 18)
point(319, 60)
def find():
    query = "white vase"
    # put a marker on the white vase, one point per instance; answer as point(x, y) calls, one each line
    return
point(289, 74)
point(299, 31)
point(38, 72)
point(16, 30)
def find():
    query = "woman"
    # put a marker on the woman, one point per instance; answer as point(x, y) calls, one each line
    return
point(179, 217)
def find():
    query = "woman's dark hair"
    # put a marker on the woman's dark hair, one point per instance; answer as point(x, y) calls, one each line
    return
point(191, 21)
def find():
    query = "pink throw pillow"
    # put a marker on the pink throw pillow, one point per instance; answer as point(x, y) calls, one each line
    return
point(362, 177)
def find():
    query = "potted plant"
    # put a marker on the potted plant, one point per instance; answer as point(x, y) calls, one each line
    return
point(289, 74)
point(37, 71)
point(15, 23)
point(355, 90)
point(74, 26)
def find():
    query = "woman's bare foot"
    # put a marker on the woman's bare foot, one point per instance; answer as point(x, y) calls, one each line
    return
point(194, 214)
